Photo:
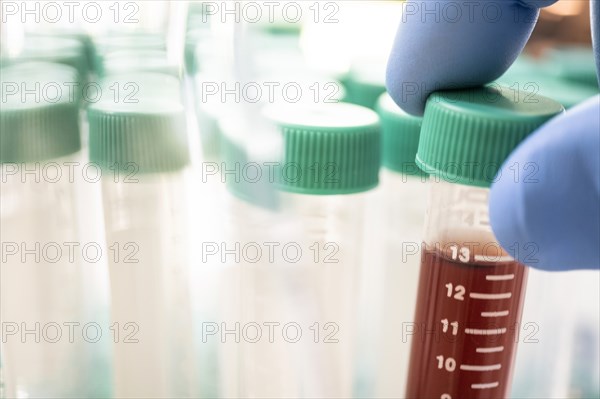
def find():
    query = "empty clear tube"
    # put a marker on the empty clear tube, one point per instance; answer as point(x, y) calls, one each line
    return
point(142, 150)
point(253, 296)
point(331, 155)
point(45, 302)
point(396, 223)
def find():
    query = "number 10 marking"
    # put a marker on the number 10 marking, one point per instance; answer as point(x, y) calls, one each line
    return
point(449, 364)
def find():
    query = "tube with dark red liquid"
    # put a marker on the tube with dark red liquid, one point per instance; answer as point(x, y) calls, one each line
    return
point(471, 291)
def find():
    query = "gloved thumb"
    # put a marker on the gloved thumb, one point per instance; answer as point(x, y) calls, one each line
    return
point(545, 204)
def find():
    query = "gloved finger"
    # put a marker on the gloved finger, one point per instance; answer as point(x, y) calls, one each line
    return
point(545, 205)
point(595, 11)
point(446, 44)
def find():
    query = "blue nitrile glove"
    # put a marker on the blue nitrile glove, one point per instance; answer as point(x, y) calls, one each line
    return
point(560, 213)
point(555, 202)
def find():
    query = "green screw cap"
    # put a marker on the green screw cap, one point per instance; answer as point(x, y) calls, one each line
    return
point(39, 120)
point(195, 44)
point(542, 77)
point(135, 86)
point(107, 44)
point(146, 134)
point(365, 83)
point(328, 148)
point(247, 145)
point(468, 134)
point(574, 64)
point(569, 94)
point(127, 61)
point(196, 8)
point(400, 137)
point(74, 34)
point(59, 50)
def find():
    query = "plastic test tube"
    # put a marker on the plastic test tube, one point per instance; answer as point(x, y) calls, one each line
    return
point(142, 150)
point(252, 294)
point(397, 219)
point(471, 291)
point(42, 286)
point(331, 156)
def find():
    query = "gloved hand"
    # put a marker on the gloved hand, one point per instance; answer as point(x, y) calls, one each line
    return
point(446, 48)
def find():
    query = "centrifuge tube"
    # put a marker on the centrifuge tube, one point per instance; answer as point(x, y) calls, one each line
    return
point(141, 148)
point(44, 270)
point(471, 291)
point(330, 164)
point(252, 297)
point(394, 261)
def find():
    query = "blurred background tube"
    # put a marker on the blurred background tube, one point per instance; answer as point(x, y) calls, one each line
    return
point(324, 193)
point(141, 145)
point(46, 267)
point(393, 237)
point(261, 364)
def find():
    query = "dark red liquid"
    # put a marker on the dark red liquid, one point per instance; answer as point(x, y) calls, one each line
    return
point(470, 354)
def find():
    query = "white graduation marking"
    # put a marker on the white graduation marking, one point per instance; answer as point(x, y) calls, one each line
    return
point(490, 367)
point(495, 314)
point(503, 277)
point(488, 385)
point(490, 350)
point(486, 258)
point(479, 295)
point(491, 331)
